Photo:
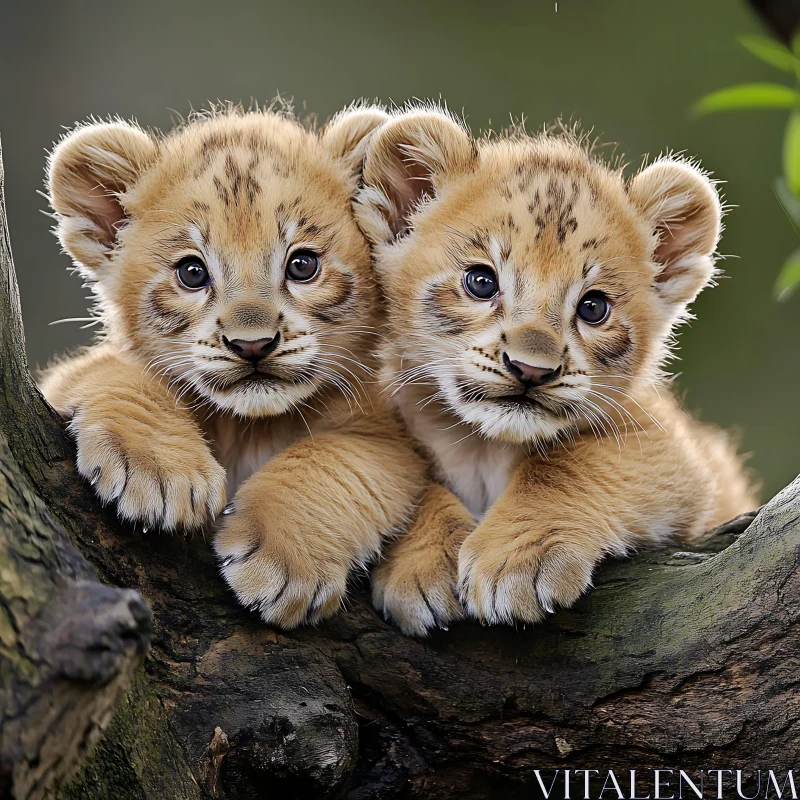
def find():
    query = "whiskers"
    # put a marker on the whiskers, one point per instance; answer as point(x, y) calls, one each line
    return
point(541, 420)
point(90, 321)
point(331, 371)
point(628, 396)
point(174, 364)
point(291, 377)
point(605, 409)
point(420, 374)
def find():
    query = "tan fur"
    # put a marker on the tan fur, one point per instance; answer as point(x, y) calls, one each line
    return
point(167, 418)
point(414, 584)
point(602, 459)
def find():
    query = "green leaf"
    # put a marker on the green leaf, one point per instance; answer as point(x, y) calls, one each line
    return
point(789, 201)
point(791, 153)
point(770, 52)
point(748, 95)
point(789, 277)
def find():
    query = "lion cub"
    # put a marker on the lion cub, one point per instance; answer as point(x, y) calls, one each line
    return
point(532, 293)
point(236, 297)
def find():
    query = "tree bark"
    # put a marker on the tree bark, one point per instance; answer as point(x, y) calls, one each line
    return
point(676, 659)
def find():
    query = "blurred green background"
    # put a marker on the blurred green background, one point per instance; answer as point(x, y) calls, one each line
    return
point(628, 68)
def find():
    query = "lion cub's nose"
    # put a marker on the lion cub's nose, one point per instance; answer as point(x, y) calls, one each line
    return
point(530, 375)
point(252, 350)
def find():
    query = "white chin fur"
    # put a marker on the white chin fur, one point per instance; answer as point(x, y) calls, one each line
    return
point(253, 400)
point(522, 425)
point(515, 425)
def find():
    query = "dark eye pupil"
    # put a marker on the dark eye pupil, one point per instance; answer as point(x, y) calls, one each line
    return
point(593, 308)
point(192, 273)
point(481, 283)
point(302, 266)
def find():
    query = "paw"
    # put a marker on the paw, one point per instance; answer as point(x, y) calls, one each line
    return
point(156, 468)
point(524, 578)
point(417, 590)
point(286, 580)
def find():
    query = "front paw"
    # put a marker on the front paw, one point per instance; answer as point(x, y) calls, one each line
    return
point(522, 579)
point(157, 468)
point(416, 589)
point(288, 582)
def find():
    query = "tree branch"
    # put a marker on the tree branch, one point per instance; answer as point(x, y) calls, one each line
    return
point(68, 644)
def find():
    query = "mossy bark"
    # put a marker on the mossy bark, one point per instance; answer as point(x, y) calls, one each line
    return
point(675, 659)
point(69, 645)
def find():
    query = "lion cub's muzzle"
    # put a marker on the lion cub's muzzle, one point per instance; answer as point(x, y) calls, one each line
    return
point(532, 356)
point(252, 350)
point(530, 375)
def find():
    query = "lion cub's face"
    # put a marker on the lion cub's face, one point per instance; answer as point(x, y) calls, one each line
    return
point(225, 254)
point(528, 284)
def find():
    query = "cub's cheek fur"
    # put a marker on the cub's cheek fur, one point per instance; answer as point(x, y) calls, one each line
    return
point(415, 586)
point(505, 577)
point(153, 465)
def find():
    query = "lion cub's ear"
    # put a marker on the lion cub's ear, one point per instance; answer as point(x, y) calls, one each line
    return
point(409, 158)
point(347, 134)
point(88, 174)
point(683, 209)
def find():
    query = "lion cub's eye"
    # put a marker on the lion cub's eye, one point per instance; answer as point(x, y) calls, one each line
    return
point(192, 273)
point(594, 308)
point(302, 266)
point(481, 283)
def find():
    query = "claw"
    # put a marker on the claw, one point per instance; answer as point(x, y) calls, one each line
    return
point(228, 561)
point(229, 509)
point(95, 476)
point(145, 529)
